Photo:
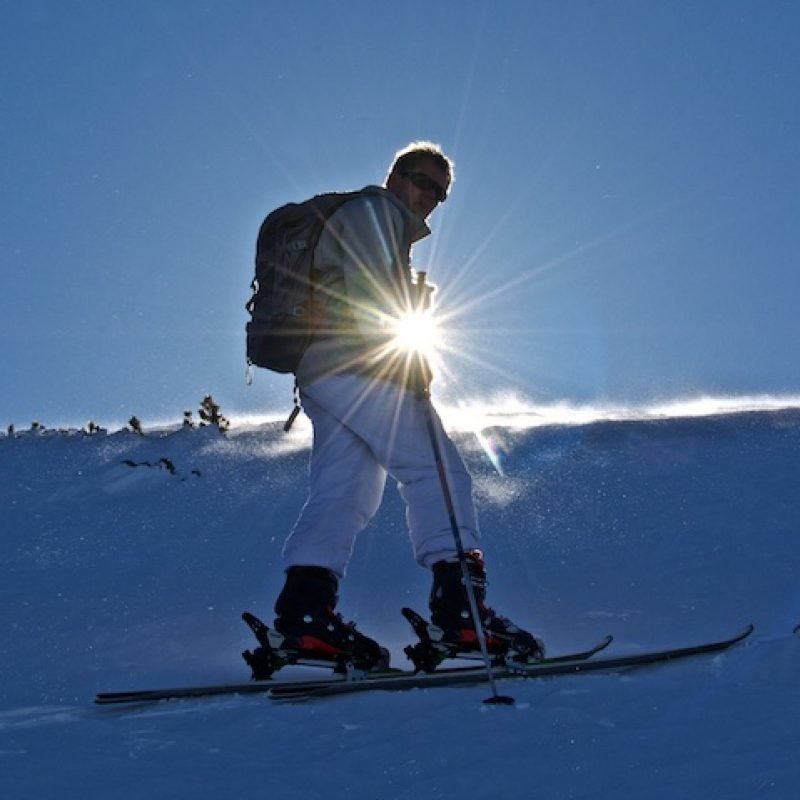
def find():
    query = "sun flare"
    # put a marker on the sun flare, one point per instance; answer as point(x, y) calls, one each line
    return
point(417, 332)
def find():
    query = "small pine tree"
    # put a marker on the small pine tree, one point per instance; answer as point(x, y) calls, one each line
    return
point(210, 413)
point(188, 420)
point(135, 425)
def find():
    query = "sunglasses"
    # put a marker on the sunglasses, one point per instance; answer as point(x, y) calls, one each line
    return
point(426, 184)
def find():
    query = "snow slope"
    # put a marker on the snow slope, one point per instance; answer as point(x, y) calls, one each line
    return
point(127, 561)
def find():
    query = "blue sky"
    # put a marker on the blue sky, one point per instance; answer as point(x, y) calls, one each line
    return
point(624, 224)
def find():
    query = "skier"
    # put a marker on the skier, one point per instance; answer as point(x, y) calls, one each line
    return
point(364, 399)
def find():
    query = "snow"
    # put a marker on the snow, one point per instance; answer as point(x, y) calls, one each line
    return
point(120, 572)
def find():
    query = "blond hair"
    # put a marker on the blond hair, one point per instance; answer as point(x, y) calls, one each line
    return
point(415, 152)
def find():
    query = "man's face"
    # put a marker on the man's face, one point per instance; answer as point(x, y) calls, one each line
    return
point(420, 187)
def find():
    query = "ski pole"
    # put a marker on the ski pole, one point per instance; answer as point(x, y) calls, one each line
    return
point(496, 698)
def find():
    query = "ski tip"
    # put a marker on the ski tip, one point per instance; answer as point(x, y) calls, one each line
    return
point(746, 632)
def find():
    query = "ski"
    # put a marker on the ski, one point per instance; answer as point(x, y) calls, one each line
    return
point(182, 692)
point(307, 684)
point(475, 675)
point(567, 664)
point(288, 687)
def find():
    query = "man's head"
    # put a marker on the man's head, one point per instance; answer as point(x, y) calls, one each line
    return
point(420, 176)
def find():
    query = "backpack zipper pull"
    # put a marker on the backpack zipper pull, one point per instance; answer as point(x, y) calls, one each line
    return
point(292, 417)
point(295, 411)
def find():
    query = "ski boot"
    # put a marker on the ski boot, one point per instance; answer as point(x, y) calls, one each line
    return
point(308, 631)
point(452, 634)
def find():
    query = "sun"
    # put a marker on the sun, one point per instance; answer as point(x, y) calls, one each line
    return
point(417, 332)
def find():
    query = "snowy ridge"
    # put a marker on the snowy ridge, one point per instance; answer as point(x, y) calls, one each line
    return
point(511, 411)
point(128, 559)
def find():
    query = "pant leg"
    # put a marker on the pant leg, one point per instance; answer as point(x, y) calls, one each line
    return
point(390, 421)
point(346, 486)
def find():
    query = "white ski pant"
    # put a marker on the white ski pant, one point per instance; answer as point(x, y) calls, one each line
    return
point(365, 429)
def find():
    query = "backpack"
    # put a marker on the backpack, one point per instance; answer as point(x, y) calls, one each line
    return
point(283, 310)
